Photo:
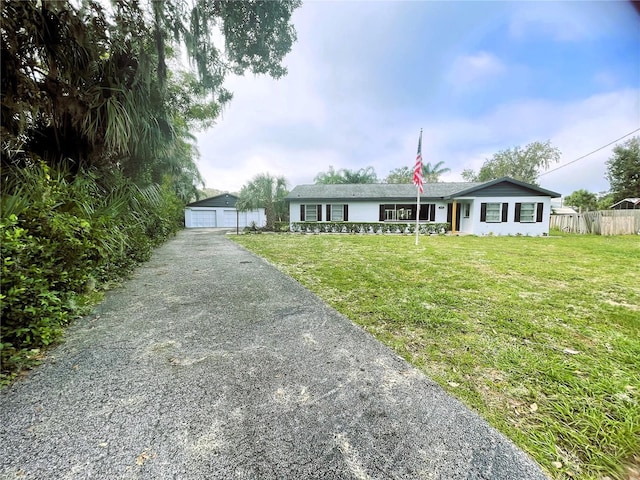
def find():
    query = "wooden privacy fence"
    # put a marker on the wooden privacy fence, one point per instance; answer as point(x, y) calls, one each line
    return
point(603, 222)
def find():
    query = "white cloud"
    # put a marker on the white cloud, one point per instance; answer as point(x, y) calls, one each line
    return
point(575, 127)
point(317, 115)
point(469, 69)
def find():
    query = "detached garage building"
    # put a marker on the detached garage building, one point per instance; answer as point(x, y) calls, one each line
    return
point(220, 211)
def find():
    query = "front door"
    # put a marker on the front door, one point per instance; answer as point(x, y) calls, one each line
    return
point(450, 214)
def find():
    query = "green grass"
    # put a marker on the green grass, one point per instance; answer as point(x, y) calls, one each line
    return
point(540, 336)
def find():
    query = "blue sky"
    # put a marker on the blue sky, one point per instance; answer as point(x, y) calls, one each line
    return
point(477, 77)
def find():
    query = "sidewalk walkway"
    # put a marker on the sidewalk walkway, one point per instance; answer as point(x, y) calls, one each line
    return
point(209, 363)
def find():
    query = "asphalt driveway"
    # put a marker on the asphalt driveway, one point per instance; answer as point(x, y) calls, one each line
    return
point(210, 363)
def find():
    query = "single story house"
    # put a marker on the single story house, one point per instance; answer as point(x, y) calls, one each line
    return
point(220, 211)
point(627, 204)
point(498, 207)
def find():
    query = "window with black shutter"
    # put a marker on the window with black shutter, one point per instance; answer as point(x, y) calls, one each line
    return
point(525, 212)
point(539, 212)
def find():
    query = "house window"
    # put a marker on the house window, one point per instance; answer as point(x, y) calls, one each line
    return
point(310, 213)
point(338, 213)
point(404, 213)
point(389, 212)
point(529, 212)
point(407, 212)
point(494, 212)
point(466, 210)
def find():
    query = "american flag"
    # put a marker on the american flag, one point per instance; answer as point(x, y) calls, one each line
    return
point(417, 170)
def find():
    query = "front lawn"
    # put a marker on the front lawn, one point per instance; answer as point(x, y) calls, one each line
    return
point(540, 336)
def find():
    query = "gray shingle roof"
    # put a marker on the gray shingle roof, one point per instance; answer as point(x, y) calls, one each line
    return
point(397, 191)
point(407, 191)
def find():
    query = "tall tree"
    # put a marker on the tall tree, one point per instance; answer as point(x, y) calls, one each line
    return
point(93, 87)
point(583, 200)
point(400, 175)
point(522, 164)
point(623, 170)
point(264, 191)
point(346, 176)
point(431, 173)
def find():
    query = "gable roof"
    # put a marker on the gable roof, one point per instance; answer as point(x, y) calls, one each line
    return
point(633, 201)
point(406, 191)
point(504, 185)
point(224, 200)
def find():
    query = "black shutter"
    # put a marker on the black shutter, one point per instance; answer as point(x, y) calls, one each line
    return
point(382, 213)
point(483, 212)
point(539, 212)
point(302, 213)
point(328, 213)
point(432, 212)
point(505, 212)
point(516, 217)
point(424, 212)
point(319, 213)
point(345, 215)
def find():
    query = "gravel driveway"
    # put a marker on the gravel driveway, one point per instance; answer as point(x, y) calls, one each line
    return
point(210, 363)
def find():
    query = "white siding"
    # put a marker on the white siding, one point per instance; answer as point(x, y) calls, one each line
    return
point(510, 227)
point(369, 211)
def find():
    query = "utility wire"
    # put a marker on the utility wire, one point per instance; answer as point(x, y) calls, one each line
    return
point(590, 153)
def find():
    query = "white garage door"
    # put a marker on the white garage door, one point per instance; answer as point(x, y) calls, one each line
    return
point(230, 218)
point(203, 218)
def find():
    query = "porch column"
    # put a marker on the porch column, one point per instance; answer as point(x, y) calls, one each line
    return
point(454, 214)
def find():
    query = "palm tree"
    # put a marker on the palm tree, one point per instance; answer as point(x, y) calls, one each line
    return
point(431, 173)
point(264, 191)
point(346, 176)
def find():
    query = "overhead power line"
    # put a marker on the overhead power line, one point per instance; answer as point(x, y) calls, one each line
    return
point(590, 153)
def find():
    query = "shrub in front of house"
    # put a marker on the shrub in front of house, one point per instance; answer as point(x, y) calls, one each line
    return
point(369, 227)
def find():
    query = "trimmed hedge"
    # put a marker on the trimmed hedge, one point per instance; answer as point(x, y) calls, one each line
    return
point(369, 227)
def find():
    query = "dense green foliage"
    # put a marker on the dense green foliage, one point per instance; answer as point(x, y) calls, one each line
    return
point(346, 176)
point(623, 170)
point(60, 238)
point(97, 152)
point(519, 163)
point(268, 192)
point(582, 200)
point(547, 351)
point(430, 173)
point(400, 175)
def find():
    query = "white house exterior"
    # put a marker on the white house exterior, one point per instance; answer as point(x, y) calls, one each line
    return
point(220, 211)
point(499, 207)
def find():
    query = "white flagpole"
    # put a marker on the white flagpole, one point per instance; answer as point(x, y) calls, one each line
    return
point(418, 185)
point(418, 216)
